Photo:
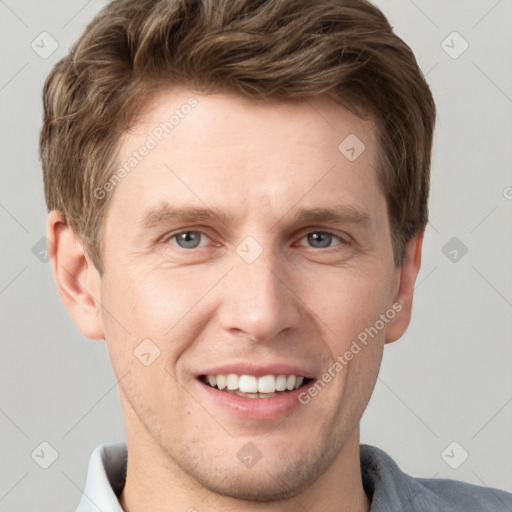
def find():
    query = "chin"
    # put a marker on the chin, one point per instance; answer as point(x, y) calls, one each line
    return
point(263, 487)
point(272, 481)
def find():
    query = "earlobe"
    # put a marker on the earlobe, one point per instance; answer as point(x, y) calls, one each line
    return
point(407, 279)
point(78, 281)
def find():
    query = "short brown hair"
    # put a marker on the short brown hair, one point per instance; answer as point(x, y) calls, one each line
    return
point(260, 49)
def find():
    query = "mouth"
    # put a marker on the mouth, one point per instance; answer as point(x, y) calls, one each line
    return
point(251, 386)
point(255, 391)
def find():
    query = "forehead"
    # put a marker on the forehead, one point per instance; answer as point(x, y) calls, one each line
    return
point(216, 116)
point(241, 156)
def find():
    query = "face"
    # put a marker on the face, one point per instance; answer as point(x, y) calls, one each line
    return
point(245, 243)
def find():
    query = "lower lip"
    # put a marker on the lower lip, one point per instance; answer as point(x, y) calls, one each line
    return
point(254, 408)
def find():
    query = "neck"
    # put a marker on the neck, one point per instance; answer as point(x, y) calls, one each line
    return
point(154, 482)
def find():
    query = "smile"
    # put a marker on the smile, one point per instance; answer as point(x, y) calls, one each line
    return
point(250, 386)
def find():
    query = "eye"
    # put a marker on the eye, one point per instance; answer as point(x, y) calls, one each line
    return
point(187, 239)
point(321, 239)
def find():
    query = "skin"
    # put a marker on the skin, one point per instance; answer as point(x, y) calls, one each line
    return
point(297, 302)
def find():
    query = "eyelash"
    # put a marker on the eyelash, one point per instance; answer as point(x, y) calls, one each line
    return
point(342, 241)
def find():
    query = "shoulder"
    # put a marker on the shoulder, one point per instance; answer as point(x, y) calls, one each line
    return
point(466, 496)
point(392, 489)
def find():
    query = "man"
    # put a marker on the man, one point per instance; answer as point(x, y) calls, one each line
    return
point(237, 194)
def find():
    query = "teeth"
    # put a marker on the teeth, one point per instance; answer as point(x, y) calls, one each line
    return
point(254, 387)
point(281, 383)
point(248, 384)
point(267, 384)
point(221, 381)
point(232, 381)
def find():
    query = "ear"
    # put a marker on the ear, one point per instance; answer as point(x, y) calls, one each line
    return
point(406, 278)
point(78, 280)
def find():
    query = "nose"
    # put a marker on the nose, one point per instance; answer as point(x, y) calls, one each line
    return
point(258, 299)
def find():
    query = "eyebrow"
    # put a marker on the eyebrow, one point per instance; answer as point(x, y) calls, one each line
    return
point(341, 214)
point(166, 213)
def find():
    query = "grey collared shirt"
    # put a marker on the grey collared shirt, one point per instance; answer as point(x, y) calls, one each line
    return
point(389, 489)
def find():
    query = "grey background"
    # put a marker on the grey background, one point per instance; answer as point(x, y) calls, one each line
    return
point(448, 379)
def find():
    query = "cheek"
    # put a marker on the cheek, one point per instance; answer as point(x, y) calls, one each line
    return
point(156, 304)
point(355, 340)
point(151, 302)
point(349, 301)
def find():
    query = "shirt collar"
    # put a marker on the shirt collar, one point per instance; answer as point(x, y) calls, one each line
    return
point(105, 478)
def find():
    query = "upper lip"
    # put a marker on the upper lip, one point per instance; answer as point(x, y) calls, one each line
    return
point(257, 370)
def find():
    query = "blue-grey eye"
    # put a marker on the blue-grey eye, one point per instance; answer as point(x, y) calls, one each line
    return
point(188, 239)
point(320, 239)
